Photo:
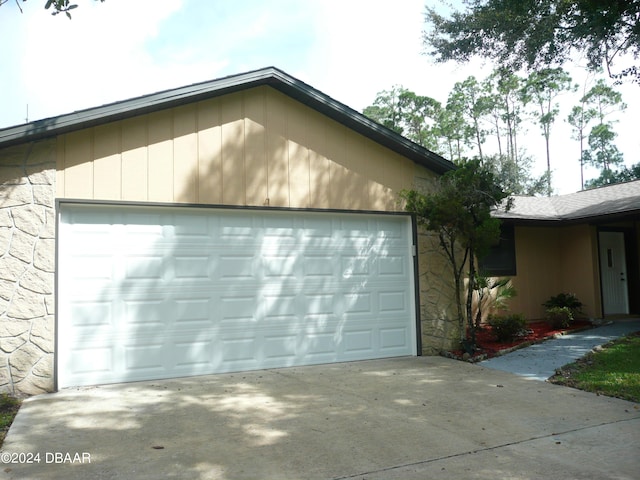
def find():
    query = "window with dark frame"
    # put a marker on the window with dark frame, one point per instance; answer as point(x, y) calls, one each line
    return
point(501, 259)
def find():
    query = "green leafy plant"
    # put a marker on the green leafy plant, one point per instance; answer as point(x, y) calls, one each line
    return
point(506, 327)
point(459, 212)
point(492, 295)
point(559, 317)
point(8, 408)
point(568, 300)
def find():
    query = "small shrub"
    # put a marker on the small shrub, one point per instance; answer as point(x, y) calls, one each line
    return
point(559, 317)
point(8, 408)
point(506, 327)
point(568, 300)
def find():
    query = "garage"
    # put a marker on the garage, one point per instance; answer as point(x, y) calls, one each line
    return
point(245, 222)
point(151, 292)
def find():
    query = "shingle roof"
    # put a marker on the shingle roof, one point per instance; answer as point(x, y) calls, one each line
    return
point(611, 200)
point(270, 76)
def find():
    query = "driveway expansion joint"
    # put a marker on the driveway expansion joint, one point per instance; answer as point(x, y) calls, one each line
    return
point(486, 449)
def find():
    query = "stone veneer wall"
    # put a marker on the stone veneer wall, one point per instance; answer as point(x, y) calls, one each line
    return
point(27, 262)
point(437, 297)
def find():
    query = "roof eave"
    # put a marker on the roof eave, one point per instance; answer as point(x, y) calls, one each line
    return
point(271, 76)
point(562, 221)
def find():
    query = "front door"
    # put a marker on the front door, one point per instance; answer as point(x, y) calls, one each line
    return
point(613, 273)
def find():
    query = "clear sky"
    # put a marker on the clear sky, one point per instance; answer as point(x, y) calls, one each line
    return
point(348, 49)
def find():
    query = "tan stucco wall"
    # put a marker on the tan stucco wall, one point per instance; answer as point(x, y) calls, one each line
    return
point(551, 260)
point(27, 263)
point(253, 148)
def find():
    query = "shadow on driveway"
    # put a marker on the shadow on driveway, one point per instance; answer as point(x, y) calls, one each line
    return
point(410, 417)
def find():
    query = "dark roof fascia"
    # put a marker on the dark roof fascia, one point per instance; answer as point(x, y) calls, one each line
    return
point(561, 222)
point(271, 76)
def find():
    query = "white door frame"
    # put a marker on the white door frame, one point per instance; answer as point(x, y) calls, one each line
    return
point(613, 273)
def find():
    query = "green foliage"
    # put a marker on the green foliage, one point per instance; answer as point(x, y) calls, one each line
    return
point(562, 309)
point(568, 300)
point(492, 295)
point(57, 6)
point(408, 114)
point(9, 406)
point(506, 327)
point(537, 33)
point(541, 89)
point(607, 177)
point(515, 177)
point(559, 317)
point(603, 152)
point(614, 370)
point(459, 211)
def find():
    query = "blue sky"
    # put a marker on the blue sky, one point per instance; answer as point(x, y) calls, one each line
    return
point(349, 49)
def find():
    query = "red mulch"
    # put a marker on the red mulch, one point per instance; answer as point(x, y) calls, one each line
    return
point(535, 332)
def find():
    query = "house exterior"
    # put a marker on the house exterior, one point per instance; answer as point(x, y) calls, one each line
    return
point(586, 243)
point(243, 223)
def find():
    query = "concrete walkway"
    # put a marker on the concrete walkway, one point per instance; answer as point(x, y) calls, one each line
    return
point(402, 418)
point(540, 361)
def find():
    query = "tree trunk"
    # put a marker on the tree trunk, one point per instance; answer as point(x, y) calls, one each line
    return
point(470, 289)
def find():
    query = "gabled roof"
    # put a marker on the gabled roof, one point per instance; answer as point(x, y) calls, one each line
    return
point(271, 76)
point(611, 201)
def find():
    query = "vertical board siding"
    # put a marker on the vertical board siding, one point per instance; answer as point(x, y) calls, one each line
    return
point(256, 147)
point(161, 155)
point(256, 165)
point(135, 173)
point(298, 154)
point(107, 169)
point(277, 153)
point(79, 178)
point(185, 154)
point(209, 152)
point(233, 168)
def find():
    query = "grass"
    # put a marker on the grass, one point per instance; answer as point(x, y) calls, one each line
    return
point(613, 370)
point(9, 406)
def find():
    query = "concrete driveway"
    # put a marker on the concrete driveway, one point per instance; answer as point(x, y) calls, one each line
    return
point(408, 418)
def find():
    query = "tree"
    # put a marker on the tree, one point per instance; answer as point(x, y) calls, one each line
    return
point(516, 177)
point(542, 88)
point(505, 88)
point(59, 6)
point(607, 177)
point(602, 101)
point(474, 105)
point(579, 118)
point(386, 109)
point(418, 116)
point(406, 113)
point(538, 33)
point(459, 212)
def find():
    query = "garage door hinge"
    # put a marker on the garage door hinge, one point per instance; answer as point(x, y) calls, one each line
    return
point(414, 251)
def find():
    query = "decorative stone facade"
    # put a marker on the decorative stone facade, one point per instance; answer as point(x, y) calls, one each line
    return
point(27, 265)
point(437, 299)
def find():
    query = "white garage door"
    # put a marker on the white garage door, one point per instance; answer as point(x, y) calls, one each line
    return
point(153, 292)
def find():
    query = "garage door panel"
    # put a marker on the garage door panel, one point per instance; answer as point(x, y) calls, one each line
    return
point(239, 350)
point(145, 357)
point(394, 339)
point(195, 312)
point(155, 292)
point(91, 360)
point(356, 341)
point(191, 267)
